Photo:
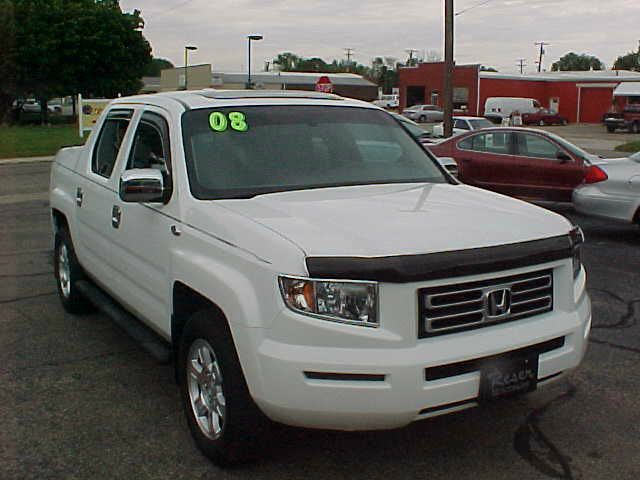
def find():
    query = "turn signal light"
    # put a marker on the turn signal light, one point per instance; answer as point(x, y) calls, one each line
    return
point(595, 174)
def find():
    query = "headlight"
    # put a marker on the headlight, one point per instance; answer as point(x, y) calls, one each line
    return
point(577, 239)
point(352, 302)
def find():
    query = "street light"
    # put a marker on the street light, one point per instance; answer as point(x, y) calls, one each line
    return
point(256, 38)
point(186, 63)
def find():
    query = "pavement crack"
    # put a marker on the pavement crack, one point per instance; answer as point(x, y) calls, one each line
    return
point(537, 449)
point(26, 297)
point(20, 275)
point(615, 345)
point(628, 319)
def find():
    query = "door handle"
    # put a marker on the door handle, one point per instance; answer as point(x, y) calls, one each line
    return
point(116, 216)
point(79, 196)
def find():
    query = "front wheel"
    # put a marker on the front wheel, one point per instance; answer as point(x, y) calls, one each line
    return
point(541, 123)
point(564, 122)
point(635, 127)
point(422, 119)
point(226, 424)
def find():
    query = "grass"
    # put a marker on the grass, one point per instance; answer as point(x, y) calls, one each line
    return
point(36, 140)
point(629, 147)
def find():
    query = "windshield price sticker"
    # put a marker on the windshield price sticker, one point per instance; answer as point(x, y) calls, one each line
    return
point(219, 122)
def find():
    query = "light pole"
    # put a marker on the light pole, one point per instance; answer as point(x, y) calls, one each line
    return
point(186, 64)
point(256, 38)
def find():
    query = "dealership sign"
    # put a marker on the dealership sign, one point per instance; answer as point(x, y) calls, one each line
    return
point(89, 110)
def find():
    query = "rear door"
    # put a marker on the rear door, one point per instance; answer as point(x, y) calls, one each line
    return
point(485, 160)
point(544, 175)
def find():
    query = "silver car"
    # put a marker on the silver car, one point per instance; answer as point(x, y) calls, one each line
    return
point(611, 189)
point(423, 113)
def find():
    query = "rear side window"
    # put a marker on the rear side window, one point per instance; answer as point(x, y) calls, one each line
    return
point(494, 142)
point(109, 141)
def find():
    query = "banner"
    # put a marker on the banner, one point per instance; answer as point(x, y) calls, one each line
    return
point(89, 110)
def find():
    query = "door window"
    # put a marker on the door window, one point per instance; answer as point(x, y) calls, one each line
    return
point(109, 141)
point(494, 142)
point(461, 124)
point(150, 147)
point(530, 145)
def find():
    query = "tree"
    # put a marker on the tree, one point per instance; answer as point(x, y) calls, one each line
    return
point(156, 66)
point(7, 59)
point(63, 47)
point(630, 61)
point(577, 62)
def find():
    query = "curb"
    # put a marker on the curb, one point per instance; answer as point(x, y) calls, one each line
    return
point(14, 161)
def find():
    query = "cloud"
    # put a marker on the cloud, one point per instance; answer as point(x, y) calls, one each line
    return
point(494, 34)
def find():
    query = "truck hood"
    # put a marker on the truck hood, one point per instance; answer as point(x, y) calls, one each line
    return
point(405, 219)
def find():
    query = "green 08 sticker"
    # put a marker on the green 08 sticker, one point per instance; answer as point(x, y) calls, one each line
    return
point(219, 122)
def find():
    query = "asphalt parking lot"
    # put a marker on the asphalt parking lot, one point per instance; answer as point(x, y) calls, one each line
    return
point(79, 399)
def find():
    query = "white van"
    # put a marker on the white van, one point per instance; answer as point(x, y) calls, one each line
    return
point(497, 108)
point(388, 101)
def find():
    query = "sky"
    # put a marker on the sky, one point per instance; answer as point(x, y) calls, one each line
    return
point(491, 32)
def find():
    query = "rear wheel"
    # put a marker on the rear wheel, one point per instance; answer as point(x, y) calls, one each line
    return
point(68, 273)
point(611, 128)
point(564, 122)
point(541, 123)
point(225, 422)
point(422, 119)
point(635, 127)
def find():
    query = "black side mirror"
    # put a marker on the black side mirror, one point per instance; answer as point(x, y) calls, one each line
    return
point(563, 157)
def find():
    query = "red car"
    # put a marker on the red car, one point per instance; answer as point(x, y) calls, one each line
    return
point(543, 117)
point(520, 162)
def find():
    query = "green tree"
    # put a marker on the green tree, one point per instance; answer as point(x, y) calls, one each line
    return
point(577, 62)
point(63, 47)
point(7, 59)
point(630, 61)
point(156, 66)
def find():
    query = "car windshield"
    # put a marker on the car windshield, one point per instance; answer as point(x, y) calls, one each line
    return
point(245, 151)
point(572, 148)
point(479, 123)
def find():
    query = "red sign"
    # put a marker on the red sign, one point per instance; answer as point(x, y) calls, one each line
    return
point(324, 85)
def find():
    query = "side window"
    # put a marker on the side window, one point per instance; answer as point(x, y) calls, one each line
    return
point(150, 148)
point(530, 145)
point(494, 142)
point(461, 124)
point(109, 141)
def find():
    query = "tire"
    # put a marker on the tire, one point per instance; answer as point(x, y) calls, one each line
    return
point(564, 122)
point(231, 428)
point(611, 128)
point(541, 123)
point(635, 127)
point(422, 119)
point(68, 273)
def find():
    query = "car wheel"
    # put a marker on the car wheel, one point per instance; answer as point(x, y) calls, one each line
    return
point(541, 123)
point(635, 127)
point(564, 122)
point(422, 119)
point(226, 424)
point(611, 128)
point(68, 273)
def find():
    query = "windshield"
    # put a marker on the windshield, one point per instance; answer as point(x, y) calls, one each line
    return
point(245, 151)
point(477, 124)
point(572, 148)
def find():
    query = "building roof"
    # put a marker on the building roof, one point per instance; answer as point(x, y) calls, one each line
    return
point(588, 76)
point(627, 89)
point(292, 78)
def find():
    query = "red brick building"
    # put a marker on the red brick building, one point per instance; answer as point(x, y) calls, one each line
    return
point(580, 96)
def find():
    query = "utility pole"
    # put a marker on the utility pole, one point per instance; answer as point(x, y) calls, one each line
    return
point(542, 52)
point(410, 51)
point(521, 63)
point(449, 65)
point(348, 53)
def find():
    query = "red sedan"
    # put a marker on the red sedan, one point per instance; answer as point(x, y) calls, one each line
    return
point(520, 162)
point(543, 117)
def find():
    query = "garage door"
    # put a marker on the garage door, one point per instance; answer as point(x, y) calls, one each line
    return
point(594, 102)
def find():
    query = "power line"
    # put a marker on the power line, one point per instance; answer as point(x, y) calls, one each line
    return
point(521, 63)
point(348, 53)
point(542, 52)
point(472, 7)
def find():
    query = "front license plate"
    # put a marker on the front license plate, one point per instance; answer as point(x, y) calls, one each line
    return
point(507, 377)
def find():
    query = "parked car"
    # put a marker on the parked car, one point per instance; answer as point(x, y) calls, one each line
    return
point(544, 117)
point(387, 101)
point(463, 125)
point(522, 162)
point(611, 189)
point(628, 119)
point(498, 108)
point(308, 262)
point(423, 113)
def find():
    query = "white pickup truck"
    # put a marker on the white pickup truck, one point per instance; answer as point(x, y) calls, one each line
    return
point(309, 263)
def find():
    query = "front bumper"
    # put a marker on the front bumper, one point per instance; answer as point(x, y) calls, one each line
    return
point(379, 388)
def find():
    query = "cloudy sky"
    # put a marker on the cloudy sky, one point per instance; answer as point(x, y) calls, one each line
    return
point(496, 33)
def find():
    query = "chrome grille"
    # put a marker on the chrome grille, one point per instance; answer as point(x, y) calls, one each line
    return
point(462, 306)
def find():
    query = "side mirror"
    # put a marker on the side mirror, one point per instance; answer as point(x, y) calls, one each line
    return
point(563, 157)
point(142, 185)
